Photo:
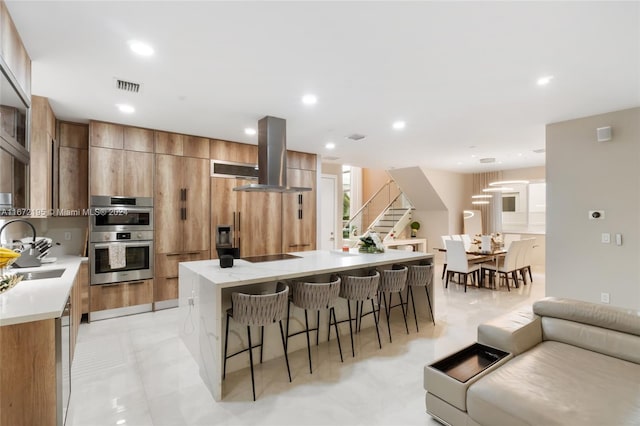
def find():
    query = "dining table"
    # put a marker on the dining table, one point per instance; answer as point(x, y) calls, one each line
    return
point(475, 254)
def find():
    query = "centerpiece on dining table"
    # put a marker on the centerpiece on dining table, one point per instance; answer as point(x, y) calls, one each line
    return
point(488, 243)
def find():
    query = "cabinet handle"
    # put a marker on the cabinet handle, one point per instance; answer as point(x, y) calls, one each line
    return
point(185, 212)
point(183, 194)
point(300, 199)
point(299, 213)
point(110, 285)
point(305, 245)
point(192, 252)
point(171, 278)
point(173, 254)
point(136, 282)
point(294, 245)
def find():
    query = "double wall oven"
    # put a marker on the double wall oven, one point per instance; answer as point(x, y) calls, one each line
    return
point(121, 229)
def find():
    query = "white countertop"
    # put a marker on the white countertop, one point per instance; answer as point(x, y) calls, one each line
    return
point(36, 300)
point(317, 262)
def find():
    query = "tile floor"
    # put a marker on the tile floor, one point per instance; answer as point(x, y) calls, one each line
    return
point(136, 371)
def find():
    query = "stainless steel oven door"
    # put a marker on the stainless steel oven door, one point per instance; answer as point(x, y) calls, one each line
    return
point(139, 262)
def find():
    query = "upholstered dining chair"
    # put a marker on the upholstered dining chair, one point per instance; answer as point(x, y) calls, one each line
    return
point(444, 239)
point(508, 266)
point(458, 263)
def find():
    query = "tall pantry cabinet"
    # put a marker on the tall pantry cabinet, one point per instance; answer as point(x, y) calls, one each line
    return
point(299, 209)
point(181, 209)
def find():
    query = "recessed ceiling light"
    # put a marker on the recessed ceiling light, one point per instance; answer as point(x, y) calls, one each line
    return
point(519, 154)
point(399, 125)
point(309, 99)
point(249, 131)
point(543, 81)
point(330, 145)
point(142, 49)
point(459, 163)
point(127, 109)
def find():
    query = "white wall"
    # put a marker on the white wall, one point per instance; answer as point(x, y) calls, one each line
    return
point(583, 175)
point(336, 170)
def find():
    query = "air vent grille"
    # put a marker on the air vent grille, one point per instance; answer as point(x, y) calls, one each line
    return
point(231, 170)
point(488, 160)
point(356, 137)
point(127, 86)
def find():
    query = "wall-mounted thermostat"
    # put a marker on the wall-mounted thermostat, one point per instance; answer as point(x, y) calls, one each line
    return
point(596, 214)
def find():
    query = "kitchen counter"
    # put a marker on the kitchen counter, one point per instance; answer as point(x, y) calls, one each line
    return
point(41, 299)
point(205, 293)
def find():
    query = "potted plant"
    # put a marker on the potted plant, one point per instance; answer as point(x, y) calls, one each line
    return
point(414, 229)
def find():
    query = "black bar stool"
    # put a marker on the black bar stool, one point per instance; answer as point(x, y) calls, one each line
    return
point(257, 310)
point(315, 297)
point(419, 276)
point(360, 289)
point(392, 281)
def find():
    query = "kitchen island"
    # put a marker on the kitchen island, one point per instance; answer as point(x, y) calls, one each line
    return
point(205, 294)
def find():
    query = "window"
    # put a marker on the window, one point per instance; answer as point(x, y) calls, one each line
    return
point(346, 191)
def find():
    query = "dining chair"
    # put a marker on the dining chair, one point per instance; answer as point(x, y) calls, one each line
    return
point(315, 296)
point(456, 237)
point(458, 263)
point(444, 239)
point(505, 266)
point(525, 258)
point(257, 310)
point(509, 238)
point(466, 239)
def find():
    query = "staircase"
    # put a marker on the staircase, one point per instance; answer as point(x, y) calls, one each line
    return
point(387, 212)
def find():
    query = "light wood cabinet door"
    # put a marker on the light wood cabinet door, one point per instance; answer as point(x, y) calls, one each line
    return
point(299, 212)
point(105, 171)
point(138, 174)
point(194, 146)
point(120, 295)
point(167, 203)
point(224, 207)
point(106, 135)
point(233, 151)
point(137, 139)
point(260, 229)
point(73, 135)
point(169, 143)
point(83, 280)
point(196, 217)
point(301, 160)
point(72, 178)
point(41, 151)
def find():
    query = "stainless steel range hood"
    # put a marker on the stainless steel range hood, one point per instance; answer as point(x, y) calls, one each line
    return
point(272, 158)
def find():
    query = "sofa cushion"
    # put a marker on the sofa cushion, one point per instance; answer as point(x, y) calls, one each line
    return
point(610, 317)
point(515, 332)
point(558, 384)
point(609, 342)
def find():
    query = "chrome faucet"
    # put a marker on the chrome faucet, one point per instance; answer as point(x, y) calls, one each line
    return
point(27, 259)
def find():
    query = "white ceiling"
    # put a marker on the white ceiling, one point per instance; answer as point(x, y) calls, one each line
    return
point(462, 75)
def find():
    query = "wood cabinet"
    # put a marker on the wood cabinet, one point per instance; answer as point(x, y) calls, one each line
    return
point(73, 167)
point(181, 145)
point(120, 295)
point(181, 218)
point(301, 160)
point(13, 52)
point(29, 376)
point(299, 212)
point(255, 216)
point(120, 160)
point(166, 274)
point(233, 151)
point(42, 150)
point(83, 281)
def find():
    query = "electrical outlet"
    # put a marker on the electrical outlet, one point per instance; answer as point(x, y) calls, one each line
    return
point(604, 297)
point(67, 236)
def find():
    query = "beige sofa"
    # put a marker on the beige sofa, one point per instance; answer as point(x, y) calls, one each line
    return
point(573, 363)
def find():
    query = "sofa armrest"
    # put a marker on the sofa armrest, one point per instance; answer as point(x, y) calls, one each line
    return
point(515, 332)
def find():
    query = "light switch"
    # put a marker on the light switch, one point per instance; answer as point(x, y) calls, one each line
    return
point(618, 239)
point(606, 238)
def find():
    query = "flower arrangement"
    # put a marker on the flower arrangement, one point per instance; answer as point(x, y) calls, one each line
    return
point(371, 243)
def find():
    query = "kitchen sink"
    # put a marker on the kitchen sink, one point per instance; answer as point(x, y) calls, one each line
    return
point(41, 275)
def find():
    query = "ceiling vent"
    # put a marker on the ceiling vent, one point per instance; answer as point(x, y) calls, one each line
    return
point(487, 160)
point(539, 151)
point(127, 86)
point(331, 158)
point(356, 137)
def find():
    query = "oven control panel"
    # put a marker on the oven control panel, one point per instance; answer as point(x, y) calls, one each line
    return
point(97, 237)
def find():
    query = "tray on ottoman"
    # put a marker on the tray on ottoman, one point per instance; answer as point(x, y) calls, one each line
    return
point(469, 362)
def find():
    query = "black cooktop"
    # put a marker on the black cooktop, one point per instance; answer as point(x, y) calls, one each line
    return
point(269, 257)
